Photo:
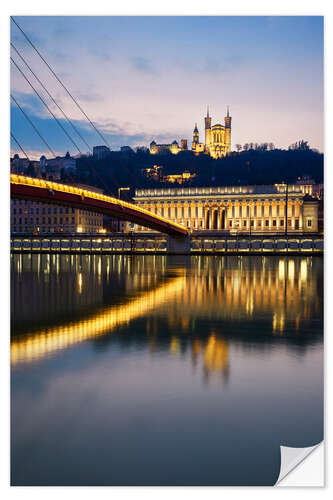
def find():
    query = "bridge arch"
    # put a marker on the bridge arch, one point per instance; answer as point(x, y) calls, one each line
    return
point(34, 189)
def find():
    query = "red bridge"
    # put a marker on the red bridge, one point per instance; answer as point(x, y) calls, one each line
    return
point(29, 188)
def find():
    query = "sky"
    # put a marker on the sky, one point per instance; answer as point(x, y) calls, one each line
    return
point(145, 78)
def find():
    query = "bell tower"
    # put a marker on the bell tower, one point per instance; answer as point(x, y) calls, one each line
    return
point(195, 137)
point(208, 125)
point(227, 132)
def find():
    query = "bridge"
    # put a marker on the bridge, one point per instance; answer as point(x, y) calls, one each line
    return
point(29, 188)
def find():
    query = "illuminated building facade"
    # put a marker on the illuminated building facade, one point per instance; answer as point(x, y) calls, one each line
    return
point(164, 148)
point(255, 209)
point(217, 138)
point(33, 216)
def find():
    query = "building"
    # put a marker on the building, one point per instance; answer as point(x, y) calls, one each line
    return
point(172, 148)
point(18, 165)
point(255, 209)
point(37, 217)
point(182, 178)
point(217, 138)
point(101, 152)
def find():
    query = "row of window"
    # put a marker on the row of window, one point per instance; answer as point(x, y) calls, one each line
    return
point(62, 220)
point(49, 210)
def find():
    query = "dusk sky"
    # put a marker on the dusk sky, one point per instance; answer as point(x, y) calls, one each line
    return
point(145, 78)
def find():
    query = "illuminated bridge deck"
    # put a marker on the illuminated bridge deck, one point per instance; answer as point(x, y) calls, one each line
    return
point(29, 188)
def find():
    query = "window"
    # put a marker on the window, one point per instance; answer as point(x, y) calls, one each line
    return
point(244, 224)
point(309, 222)
point(267, 223)
point(282, 222)
point(274, 223)
point(55, 210)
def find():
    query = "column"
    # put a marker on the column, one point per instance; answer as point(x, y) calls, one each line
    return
point(219, 217)
point(293, 215)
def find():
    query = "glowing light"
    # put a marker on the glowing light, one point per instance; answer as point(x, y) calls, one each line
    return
point(36, 345)
point(83, 193)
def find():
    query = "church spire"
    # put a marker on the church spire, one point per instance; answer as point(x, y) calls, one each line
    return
point(196, 127)
point(228, 111)
point(207, 111)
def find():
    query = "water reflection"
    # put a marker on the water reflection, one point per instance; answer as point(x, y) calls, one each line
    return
point(185, 355)
point(282, 291)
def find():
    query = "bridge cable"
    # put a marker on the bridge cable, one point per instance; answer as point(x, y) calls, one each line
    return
point(52, 98)
point(61, 83)
point(19, 145)
point(47, 107)
point(32, 124)
point(91, 167)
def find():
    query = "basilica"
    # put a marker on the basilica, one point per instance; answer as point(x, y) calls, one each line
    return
point(217, 140)
point(217, 137)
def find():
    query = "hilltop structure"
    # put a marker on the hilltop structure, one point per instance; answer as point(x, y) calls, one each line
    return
point(217, 140)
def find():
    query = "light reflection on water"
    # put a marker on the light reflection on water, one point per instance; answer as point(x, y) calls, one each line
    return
point(213, 353)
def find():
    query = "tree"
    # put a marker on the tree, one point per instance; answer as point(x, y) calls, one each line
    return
point(246, 147)
point(238, 147)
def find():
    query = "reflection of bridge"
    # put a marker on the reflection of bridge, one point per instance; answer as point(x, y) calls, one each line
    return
point(35, 345)
point(52, 192)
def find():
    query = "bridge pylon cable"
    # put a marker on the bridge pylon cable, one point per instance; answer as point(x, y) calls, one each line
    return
point(33, 125)
point(52, 98)
point(19, 145)
point(47, 107)
point(61, 83)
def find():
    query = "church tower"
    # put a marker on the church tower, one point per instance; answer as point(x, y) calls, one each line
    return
point(208, 125)
point(227, 132)
point(195, 137)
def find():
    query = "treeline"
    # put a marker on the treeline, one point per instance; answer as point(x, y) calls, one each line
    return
point(260, 164)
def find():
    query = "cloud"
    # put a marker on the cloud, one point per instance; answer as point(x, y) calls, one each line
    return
point(143, 65)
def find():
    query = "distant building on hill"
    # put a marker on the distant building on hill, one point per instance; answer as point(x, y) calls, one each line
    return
point(101, 152)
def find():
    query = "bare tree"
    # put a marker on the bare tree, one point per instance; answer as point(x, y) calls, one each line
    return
point(238, 147)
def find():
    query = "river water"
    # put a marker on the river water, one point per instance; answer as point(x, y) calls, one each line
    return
point(159, 370)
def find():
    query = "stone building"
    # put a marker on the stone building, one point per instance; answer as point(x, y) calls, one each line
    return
point(257, 209)
point(37, 217)
point(217, 137)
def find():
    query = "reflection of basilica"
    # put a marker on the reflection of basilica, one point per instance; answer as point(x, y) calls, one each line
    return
point(174, 301)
